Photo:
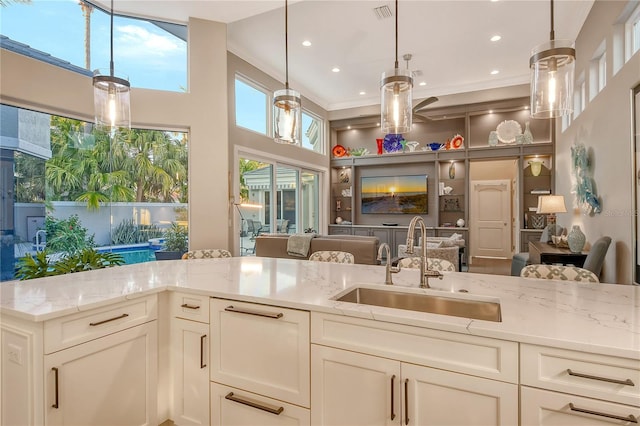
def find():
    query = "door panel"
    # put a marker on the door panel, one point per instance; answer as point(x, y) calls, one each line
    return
point(491, 218)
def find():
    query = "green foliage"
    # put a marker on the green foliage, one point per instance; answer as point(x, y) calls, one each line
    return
point(85, 260)
point(176, 238)
point(66, 235)
point(127, 232)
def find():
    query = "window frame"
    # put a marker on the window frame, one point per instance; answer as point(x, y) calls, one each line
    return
point(632, 34)
point(268, 101)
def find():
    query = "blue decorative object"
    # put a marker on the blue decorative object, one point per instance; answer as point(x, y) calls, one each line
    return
point(586, 198)
point(576, 239)
point(392, 142)
point(435, 146)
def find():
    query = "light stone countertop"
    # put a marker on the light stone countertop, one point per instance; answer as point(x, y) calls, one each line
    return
point(598, 318)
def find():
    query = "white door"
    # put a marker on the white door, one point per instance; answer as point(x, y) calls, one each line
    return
point(490, 218)
point(190, 365)
point(106, 381)
point(438, 397)
point(352, 389)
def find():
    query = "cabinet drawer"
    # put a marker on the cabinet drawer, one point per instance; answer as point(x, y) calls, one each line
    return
point(190, 306)
point(479, 356)
point(77, 328)
point(546, 408)
point(598, 376)
point(261, 349)
point(230, 406)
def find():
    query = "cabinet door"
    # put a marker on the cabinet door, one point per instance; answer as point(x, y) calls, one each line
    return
point(190, 365)
point(261, 349)
point(353, 389)
point(546, 408)
point(382, 234)
point(438, 397)
point(366, 232)
point(107, 381)
point(234, 407)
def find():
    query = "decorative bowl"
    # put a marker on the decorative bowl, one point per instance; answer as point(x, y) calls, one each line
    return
point(392, 142)
point(358, 152)
point(412, 145)
point(435, 146)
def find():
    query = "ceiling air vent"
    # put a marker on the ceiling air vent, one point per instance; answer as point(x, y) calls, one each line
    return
point(383, 12)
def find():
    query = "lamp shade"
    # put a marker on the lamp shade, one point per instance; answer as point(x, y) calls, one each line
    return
point(552, 67)
point(550, 204)
point(111, 99)
point(287, 117)
point(396, 101)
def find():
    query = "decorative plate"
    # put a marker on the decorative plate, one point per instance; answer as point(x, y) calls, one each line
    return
point(457, 142)
point(392, 142)
point(508, 130)
point(339, 151)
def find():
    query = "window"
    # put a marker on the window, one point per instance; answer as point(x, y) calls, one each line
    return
point(580, 96)
point(598, 70)
point(312, 133)
point(251, 106)
point(151, 54)
point(632, 33)
point(602, 71)
point(76, 187)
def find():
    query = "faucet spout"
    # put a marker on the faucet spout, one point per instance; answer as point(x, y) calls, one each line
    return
point(425, 272)
point(384, 247)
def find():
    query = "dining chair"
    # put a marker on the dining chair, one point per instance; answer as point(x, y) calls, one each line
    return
point(332, 256)
point(597, 253)
point(433, 264)
point(559, 273)
point(520, 260)
point(206, 254)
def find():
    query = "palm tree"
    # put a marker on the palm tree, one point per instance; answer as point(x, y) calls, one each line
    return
point(87, 9)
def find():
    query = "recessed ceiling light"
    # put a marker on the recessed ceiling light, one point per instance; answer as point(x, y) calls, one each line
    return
point(349, 127)
point(306, 43)
point(495, 38)
point(378, 124)
point(335, 69)
point(422, 83)
point(494, 72)
point(363, 92)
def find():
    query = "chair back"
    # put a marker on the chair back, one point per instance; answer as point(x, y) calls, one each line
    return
point(206, 254)
point(433, 264)
point(559, 273)
point(332, 256)
point(597, 253)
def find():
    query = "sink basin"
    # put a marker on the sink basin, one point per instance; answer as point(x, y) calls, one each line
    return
point(434, 304)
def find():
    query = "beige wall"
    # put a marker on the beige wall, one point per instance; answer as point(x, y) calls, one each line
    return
point(605, 129)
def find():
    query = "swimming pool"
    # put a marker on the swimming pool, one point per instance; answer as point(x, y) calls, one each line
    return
point(131, 254)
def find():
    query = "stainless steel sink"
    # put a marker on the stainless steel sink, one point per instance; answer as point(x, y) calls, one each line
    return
point(457, 307)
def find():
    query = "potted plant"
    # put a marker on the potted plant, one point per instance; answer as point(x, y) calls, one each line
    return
point(176, 242)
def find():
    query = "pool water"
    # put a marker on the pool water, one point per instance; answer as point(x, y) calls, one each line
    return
point(132, 255)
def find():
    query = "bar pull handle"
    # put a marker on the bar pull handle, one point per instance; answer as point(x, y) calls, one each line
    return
point(93, 324)
point(406, 401)
point(255, 404)
point(188, 306)
point(254, 312)
point(393, 413)
point(55, 381)
point(627, 382)
point(630, 418)
point(202, 364)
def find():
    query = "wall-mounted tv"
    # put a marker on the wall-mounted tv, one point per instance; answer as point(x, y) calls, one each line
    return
point(394, 194)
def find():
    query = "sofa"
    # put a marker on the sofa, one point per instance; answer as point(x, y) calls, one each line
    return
point(364, 249)
point(447, 248)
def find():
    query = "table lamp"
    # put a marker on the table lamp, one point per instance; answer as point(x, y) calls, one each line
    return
point(550, 205)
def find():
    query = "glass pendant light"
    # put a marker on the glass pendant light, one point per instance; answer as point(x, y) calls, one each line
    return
point(396, 97)
point(287, 117)
point(552, 74)
point(111, 96)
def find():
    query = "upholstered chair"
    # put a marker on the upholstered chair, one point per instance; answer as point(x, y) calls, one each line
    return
point(432, 264)
point(597, 253)
point(559, 273)
point(332, 256)
point(206, 254)
point(520, 260)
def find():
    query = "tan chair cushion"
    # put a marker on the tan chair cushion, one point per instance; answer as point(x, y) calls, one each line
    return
point(206, 254)
point(559, 273)
point(433, 264)
point(332, 256)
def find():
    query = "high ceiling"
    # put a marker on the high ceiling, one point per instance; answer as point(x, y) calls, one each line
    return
point(449, 41)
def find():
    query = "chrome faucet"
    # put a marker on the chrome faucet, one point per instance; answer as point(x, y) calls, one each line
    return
point(425, 272)
point(389, 269)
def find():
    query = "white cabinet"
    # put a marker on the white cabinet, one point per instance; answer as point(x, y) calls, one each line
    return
point(577, 388)
point(261, 349)
point(108, 381)
point(231, 406)
point(350, 388)
point(190, 358)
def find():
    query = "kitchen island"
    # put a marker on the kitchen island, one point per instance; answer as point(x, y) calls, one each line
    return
point(601, 321)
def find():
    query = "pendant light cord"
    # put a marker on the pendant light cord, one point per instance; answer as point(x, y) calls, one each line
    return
point(111, 62)
point(396, 63)
point(286, 44)
point(552, 35)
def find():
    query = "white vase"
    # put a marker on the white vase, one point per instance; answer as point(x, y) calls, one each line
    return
point(576, 239)
point(493, 138)
point(527, 135)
